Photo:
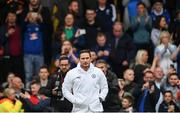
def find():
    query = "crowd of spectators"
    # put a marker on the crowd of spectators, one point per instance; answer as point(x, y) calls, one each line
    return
point(136, 43)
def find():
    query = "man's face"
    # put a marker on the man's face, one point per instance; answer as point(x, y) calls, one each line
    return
point(158, 73)
point(69, 20)
point(17, 83)
point(148, 77)
point(64, 65)
point(66, 46)
point(10, 77)
point(11, 18)
point(12, 94)
point(141, 9)
point(90, 15)
point(34, 2)
point(129, 75)
point(74, 7)
point(103, 67)
point(158, 6)
point(93, 56)
point(85, 60)
point(125, 103)
point(168, 97)
point(101, 40)
point(43, 74)
point(173, 80)
point(117, 30)
point(35, 89)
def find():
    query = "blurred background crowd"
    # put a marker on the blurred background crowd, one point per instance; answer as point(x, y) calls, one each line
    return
point(134, 42)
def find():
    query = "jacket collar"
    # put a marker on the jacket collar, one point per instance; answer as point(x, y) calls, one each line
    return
point(82, 70)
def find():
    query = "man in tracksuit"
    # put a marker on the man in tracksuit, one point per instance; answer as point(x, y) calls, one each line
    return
point(85, 86)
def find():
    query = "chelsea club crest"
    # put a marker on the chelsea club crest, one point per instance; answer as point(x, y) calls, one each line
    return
point(93, 76)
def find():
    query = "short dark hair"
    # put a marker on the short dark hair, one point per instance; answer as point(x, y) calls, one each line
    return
point(73, 1)
point(100, 34)
point(44, 67)
point(140, 3)
point(64, 58)
point(148, 72)
point(92, 9)
point(173, 74)
point(34, 82)
point(167, 91)
point(101, 61)
point(129, 98)
point(85, 51)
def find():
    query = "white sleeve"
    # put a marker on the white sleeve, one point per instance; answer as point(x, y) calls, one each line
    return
point(113, 13)
point(154, 37)
point(125, 2)
point(67, 88)
point(103, 86)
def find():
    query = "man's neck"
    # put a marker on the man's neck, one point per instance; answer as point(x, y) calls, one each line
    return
point(158, 80)
point(91, 22)
point(34, 6)
point(43, 80)
point(85, 68)
point(11, 24)
point(102, 5)
point(68, 26)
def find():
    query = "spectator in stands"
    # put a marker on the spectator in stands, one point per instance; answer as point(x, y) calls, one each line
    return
point(63, 8)
point(74, 9)
point(140, 65)
point(164, 51)
point(10, 38)
point(130, 10)
point(102, 48)
point(159, 26)
point(168, 104)
point(72, 32)
point(18, 86)
point(67, 50)
point(17, 6)
point(147, 100)
point(111, 103)
point(129, 86)
point(37, 101)
point(120, 54)
point(159, 79)
point(10, 103)
point(45, 81)
point(159, 10)
point(141, 27)
point(173, 29)
point(106, 13)
point(171, 83)
point(93, 57)
point(127, 104)
point(60, 103)
point(8, 82)
point(92, 27)
point(46, 28)
point(33, 46)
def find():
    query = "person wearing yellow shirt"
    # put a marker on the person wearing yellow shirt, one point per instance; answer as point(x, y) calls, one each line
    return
point(10, 103)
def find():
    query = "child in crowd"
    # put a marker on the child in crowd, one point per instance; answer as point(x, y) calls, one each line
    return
point(127, 104)
point(168, 105)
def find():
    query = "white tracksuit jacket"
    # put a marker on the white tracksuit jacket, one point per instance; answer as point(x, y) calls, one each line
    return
point(83, 89)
